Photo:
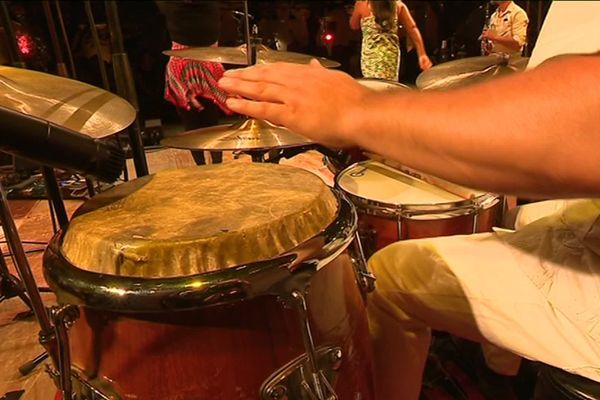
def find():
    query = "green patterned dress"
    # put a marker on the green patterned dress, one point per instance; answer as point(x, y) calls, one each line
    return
point(380, 51)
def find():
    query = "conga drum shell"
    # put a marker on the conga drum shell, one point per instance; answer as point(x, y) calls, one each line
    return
point(226, 331)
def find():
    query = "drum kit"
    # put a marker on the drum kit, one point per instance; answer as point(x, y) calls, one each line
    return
point(249, 281)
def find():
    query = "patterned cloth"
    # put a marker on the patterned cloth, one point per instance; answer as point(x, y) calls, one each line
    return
point(198, 77)
point(380, 50)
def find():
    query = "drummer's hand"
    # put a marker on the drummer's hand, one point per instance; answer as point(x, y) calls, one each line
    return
point(424, 62)
point(310, 100)
point(193, 103)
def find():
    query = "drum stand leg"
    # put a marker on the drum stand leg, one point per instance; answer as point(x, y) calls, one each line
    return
point(47, 335)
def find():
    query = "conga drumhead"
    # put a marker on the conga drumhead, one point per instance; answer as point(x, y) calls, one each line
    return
point(194, 220)
point(376, 182)
point(382, 85)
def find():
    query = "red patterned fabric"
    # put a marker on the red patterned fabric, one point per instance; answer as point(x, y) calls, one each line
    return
point(198, 77)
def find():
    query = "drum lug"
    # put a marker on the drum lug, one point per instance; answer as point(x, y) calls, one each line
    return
point(292, 380)
point(309, 376)
point(63, 318)
point(366, 280)
point(71, 383)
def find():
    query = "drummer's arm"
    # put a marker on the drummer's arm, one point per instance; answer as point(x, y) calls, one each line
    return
point(357, 14)
point(533, 134)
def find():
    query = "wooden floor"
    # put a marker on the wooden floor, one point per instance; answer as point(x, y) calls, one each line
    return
point(18, 338)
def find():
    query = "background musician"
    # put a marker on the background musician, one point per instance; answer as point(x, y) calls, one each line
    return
point(507, 31)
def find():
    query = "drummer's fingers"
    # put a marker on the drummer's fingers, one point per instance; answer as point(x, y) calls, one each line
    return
point(278, 73)
point(262, 91)
point(272, 112)
point(195, 103)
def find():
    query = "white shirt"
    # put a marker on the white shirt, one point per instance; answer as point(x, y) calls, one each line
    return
point(512, 23)
point(571, 27)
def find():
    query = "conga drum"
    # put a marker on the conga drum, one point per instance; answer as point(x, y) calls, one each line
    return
point(400, 203)
point(230, 281)
point(341, 159)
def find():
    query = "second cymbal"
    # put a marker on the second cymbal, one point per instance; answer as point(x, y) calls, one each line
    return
point(467, 71)
point(237, 56)
point(247, 135)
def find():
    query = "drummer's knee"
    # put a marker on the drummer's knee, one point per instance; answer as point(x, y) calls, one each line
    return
point(403, 267)
point(403, 270)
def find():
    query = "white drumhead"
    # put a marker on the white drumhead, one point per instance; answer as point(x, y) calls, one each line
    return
point(378, 182)
point(381, 85)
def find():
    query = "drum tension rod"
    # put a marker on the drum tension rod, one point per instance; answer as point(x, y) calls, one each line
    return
point(320, 389)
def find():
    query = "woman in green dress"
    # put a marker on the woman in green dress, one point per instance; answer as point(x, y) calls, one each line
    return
point(380, 50)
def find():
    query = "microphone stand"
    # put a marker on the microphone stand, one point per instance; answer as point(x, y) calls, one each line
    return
point(125, 85)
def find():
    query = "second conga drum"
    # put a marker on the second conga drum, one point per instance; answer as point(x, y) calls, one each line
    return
point(395, 204)
point(225, 282)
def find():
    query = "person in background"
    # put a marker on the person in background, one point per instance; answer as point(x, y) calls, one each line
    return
point(380, 50)
point(506, 31)
point(191, 86)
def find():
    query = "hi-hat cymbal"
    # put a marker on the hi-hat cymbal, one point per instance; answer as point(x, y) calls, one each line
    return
point(466, 71)
point(65, 102)
point(237, 56)
point(247, 135)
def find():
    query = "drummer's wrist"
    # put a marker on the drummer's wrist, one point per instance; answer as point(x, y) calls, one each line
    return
point(361, 120)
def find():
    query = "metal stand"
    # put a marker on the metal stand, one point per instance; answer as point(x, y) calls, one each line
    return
point(125, 85)
point(61, 67)
point(54, 197)
point(47, 335)
point(10, 286)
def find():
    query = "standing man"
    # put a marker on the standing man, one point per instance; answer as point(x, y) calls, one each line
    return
point(506, 31)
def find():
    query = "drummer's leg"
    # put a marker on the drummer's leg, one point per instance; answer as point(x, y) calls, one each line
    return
point(475, 287)
point(414, 291)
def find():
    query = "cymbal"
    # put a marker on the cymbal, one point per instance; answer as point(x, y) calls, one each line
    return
point(65, 102)
point(466, 71)
point(381, 85)
point(237, 56)
point(249, 134)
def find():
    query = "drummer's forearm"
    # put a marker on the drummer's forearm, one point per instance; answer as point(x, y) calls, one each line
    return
point(511, 136)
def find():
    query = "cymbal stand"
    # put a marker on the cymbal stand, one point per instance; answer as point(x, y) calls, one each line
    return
point(65, 37)
point(61, 67)
point(125, 85)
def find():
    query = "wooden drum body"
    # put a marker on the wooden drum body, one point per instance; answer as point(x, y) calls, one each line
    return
point(396, 204)
point(256, 330)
